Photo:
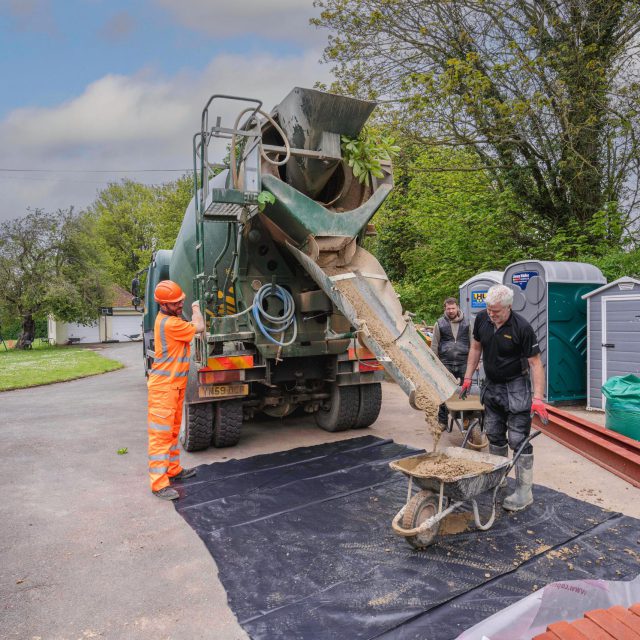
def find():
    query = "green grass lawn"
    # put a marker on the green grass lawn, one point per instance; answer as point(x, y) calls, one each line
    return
point(46, 364)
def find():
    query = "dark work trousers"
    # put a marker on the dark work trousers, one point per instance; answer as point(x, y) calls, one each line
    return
point(507, 412)
point(458, 372)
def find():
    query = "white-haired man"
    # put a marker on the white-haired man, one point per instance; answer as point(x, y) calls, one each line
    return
point(512, 363)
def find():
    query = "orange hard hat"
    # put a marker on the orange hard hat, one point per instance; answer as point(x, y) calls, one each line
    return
point(168, 291)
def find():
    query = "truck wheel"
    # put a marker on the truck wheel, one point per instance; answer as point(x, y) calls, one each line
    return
point(341, 411)
point(227, 424)
point(369, 407)
point(422, 506)
point(197, 426)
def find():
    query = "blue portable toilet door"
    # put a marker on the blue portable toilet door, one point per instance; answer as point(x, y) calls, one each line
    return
point(620, 336)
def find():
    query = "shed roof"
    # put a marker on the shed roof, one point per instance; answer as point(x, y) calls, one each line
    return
point(573, 272)
point(619, 281)
point(486, 275)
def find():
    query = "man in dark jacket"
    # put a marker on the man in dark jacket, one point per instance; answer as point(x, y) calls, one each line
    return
point(450, 342)
point(514, 385)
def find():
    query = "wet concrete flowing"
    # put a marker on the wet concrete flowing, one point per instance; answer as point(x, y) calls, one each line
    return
point(426, 396)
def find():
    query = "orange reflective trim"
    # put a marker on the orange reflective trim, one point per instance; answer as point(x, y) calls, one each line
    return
point(171, 362)
point(223, 363)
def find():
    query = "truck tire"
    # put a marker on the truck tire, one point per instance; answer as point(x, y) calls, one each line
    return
point(369, 407)
point(197, 426)
point(227, 424)
point(342, 411)
point(422, 506)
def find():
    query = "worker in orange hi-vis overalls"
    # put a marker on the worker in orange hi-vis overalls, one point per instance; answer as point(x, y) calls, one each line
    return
point(167, 383)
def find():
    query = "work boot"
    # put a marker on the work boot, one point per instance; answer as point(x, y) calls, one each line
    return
point(500, 451)
point(522, 497)
point(184, 473)
point(167, 493)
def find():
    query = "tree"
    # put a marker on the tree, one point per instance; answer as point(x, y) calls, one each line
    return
point(50, 263)
point(123, 214)
point(133, 220)
point(545, 92)
point(444, 225)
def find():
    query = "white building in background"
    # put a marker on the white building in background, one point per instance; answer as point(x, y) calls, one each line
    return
point(120, 323)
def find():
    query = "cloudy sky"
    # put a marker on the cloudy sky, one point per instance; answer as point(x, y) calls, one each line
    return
point(98, 90)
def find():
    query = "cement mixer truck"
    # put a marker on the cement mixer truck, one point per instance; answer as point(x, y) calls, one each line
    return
point(299, 315)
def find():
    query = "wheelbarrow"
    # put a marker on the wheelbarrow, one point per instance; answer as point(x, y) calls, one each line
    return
point(419, 519)
point(468, 416)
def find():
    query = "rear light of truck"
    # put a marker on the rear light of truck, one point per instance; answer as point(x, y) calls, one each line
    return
point(218, 377)
point(365, 359)
point(369, 365)
point(360, 353)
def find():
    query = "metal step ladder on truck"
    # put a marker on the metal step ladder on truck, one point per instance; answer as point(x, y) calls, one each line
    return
point(263, 244)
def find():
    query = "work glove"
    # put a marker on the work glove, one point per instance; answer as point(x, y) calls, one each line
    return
point(539, 407)
point(465, 388)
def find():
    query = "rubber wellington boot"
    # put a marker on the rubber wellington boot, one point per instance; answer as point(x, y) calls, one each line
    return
point(500, 451)
point(522, 497)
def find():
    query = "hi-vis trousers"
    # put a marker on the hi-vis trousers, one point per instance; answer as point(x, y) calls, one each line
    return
point(164, 419)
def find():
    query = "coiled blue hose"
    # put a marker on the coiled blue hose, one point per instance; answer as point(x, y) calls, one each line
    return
point(273, 325)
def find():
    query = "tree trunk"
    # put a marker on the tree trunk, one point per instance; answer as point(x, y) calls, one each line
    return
point(28, 334)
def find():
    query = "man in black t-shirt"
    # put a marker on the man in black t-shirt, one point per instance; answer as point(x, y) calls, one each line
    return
point(511, 357)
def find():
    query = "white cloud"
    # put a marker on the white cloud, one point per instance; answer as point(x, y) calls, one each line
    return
point(269, 19)
point(130, 122)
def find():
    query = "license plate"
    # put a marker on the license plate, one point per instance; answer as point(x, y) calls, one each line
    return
point(223, 390)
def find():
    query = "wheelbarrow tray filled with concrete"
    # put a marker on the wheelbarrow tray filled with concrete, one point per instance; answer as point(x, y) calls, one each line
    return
point(442, 493)
point(463, 487)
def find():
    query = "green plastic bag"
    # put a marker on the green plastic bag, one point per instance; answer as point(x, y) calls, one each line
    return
point(622, 410)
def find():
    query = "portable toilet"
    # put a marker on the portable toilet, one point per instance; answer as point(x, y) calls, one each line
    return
point(472, 295)
point(549, 296)
point(474, 290)
point(613, 316)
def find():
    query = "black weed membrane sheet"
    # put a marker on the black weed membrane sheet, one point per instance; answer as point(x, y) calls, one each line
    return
point(304, 547)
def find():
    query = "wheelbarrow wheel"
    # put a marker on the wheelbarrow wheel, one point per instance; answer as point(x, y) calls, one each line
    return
point(422, 506)
point(478, 439)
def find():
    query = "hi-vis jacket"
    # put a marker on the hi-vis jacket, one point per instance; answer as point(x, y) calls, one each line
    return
point(172, 336)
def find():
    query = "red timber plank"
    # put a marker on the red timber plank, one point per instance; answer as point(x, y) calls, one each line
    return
point(591, 630)
point(626, 617)
point(609, 623)
point(549, 635)
point(616, 453)
point(565, 631)
point(635, 608)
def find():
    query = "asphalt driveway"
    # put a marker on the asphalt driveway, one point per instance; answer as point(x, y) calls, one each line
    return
point(86, 551)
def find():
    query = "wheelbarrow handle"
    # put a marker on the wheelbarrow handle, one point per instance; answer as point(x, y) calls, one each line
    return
point(527, 440)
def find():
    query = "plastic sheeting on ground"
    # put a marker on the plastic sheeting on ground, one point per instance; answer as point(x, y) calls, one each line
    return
point(304, 547)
